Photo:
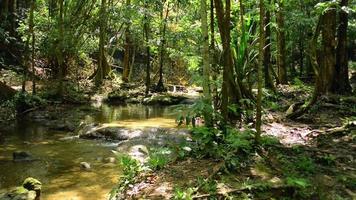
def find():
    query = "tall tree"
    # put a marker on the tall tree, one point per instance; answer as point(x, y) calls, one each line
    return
point(146, 27)
point(103, 66)
point(341, 83)
point(128, 45)
point(32, 33)
point(60, 48)
point(214, 66)
point(281, 44)
point(164, 20)
point(206, 60)
point(267, 50)
point(259, 74)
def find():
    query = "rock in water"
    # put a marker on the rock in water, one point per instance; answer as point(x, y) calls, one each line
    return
point(110, 160)
point(33, 184)
point(85, 165)
point(21, 156)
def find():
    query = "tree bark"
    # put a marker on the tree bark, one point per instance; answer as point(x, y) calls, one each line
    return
point(341, 83)
point(328, 59)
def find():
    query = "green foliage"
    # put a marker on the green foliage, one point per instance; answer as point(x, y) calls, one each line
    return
point(300, 183)
point(305, 165)
point(158, 158)
point(25, 101)
point(232, 147)
point(207, 186)
point(130, 170)
point(181, 194)
point(328, 160)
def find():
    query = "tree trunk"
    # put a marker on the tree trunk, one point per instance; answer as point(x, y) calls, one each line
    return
point(160, 86)
point(328, 59)
point(32, 32)
point(281, 45)
point(341, 83)
point(267, 51)
point(146, 27)
point(259, 74)
point(206, 62)
point(60, 57)
point(103, 67)
point(214, 66)
point(127, 55)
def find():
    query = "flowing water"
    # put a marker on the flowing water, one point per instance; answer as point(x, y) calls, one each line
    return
point(58, 164)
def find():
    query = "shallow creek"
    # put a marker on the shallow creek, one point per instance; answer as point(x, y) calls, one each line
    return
point(58, 164)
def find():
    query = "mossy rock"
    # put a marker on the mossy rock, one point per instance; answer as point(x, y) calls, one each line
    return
point(19, 193)
point(32, 184)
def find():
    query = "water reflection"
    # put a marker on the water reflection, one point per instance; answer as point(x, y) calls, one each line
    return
point(58, 166)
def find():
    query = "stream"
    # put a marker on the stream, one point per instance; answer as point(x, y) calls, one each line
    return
point(59, 158)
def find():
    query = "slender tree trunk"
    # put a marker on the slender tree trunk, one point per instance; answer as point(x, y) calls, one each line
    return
point(60, 57)
point(259, 74)
point(206, 62)
point(146, 27)
point(267, 51)
point(281, 45)
point(225, 38)
point(128, 47)
point(214, 66)
point(32, 32)
point(341, 83)
point(103, 67)
point(301, 55)
point(160, 86)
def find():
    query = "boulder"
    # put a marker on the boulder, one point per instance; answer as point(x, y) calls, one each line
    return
point(108, 133)
point(22, 156)
point(33, 184)
point(110, 160)
point(85, 166)
point(19, 193)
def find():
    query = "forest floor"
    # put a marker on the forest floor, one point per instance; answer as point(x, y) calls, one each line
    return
point(315, 159)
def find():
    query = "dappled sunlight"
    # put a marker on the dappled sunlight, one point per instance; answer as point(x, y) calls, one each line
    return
point(292, 133)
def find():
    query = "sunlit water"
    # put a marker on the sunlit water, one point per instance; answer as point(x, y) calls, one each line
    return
point(58, 165)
